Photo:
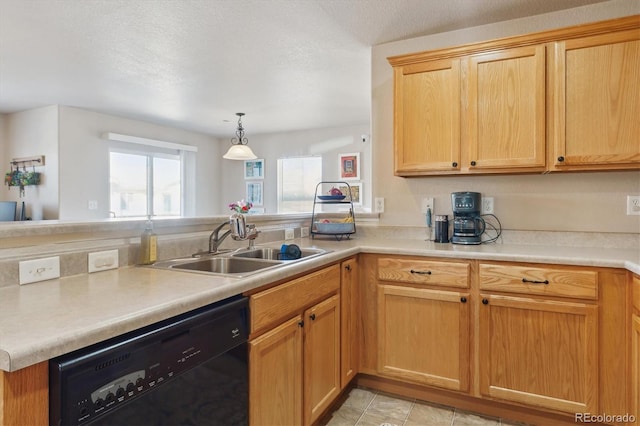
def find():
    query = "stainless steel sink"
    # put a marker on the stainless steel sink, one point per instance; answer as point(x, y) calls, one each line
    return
point(238, 263)
point(225, 265)
point(273, 253)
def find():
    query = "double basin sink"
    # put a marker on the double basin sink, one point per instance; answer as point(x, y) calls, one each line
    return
point(238, 263)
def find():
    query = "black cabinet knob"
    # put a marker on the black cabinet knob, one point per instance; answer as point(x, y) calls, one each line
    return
point(301, 324)
point(473, 163)
point(454, 164)
point(561, 159)
point(463, 299)
point(348, 267)
point(313, 317)
point(485, 301)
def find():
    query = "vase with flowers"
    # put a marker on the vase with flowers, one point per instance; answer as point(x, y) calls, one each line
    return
point(237, 220)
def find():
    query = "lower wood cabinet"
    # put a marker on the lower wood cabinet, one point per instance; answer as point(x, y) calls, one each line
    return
point(635, 368)
point(275, 376)
point(321, 357)
point(423, 336)
point(294, 364)
point(349, 314)
point(294, 369)
point(539, 352)
point(635, 349)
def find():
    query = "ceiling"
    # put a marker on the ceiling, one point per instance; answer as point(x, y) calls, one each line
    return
point(192, 64)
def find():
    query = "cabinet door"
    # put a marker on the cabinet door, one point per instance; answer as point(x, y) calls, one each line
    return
point(539, 352)
point(321, 357)
point(427, 117)
point(595, 102)
point(424, 336)
point(348, 318)
point(275, 376)
point(506, 110)
point(635, 368)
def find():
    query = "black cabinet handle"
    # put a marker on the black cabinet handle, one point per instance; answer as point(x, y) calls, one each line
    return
point(524, 280)
point(348, 267)
point(313, 317)
point(413, 271)
point(463, 299)
point(301, 323)
point(561, 159)
point(473, 163)
point(454, 164)
point(485, 301)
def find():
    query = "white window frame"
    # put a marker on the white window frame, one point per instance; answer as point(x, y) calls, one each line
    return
point(150, 148)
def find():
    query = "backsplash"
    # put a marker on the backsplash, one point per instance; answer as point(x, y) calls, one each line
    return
point(180, 242)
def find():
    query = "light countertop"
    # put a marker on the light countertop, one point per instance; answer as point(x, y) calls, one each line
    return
point(43, 320)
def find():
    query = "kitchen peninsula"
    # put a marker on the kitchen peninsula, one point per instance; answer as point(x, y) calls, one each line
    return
point(43, 320)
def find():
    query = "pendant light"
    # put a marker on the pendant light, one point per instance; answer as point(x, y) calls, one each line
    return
point(239, 149)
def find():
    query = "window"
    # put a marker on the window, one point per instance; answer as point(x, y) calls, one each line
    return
point(297, 180)
point(144, 184)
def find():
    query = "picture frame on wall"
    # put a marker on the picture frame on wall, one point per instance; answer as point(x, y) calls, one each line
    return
point(350, 166)
point(356, 192)
point(254, 193)
point(254, 169)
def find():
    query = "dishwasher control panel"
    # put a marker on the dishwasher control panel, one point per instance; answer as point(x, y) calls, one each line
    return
point(91, 382)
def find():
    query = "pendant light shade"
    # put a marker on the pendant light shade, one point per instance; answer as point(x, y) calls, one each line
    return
point(239, 149)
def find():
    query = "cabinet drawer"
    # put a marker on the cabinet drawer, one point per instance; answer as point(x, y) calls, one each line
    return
point(450, 274)
point(544, 281)
point(283, 301)
point(636, 292)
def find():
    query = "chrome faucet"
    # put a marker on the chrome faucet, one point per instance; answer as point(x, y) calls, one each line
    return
point(240, 231)
point(215, 239)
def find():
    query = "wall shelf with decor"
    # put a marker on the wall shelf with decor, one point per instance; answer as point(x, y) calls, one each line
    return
point(328, 194)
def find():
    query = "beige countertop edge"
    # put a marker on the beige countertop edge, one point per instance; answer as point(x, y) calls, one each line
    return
point(95, 307)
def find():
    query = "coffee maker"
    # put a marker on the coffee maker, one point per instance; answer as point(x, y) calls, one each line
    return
point(468, 226)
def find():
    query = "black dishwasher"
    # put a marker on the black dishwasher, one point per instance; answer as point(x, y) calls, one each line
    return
point(188, 370)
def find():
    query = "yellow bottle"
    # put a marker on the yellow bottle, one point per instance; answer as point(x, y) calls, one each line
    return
point(148, 245)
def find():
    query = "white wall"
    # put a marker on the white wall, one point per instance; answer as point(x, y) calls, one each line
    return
point(571, 202)
point(31, 133)
point(327, 142)
point(84, 161)
point(4, 146)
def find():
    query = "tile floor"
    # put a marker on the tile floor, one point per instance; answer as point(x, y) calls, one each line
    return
point(364, 407)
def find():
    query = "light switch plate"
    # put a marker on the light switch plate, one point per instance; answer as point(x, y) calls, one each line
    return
point(103, 260)
point(304, 231)
point(289, 234)
point(32, 271)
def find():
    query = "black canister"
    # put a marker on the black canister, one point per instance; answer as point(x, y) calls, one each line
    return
point(442, 229)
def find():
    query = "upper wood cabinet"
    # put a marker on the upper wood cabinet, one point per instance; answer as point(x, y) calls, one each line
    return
point(559, 100)
point(596, 106)
point(427, 117)
point(506, 110)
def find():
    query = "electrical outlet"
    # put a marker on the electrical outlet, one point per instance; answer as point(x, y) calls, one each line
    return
point(427, 203)
point(379, 206)
point(487, 205)
point(93, 204)
point(32, 271)
point(633, 205)
point(304, 231)
point(289, 234)
point(103, 260)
